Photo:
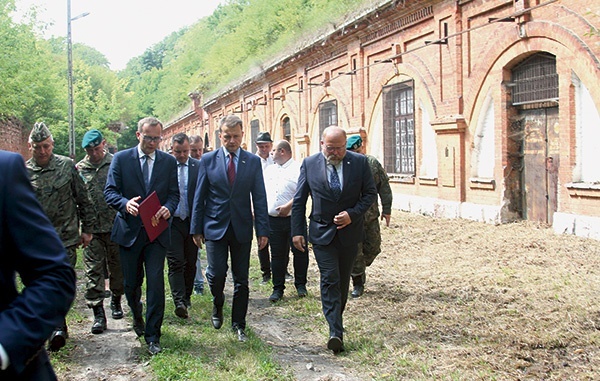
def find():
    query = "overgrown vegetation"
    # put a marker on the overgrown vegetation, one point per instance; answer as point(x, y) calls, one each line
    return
point(236, 40)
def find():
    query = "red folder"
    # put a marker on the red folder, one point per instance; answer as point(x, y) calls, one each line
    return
point(147, 210)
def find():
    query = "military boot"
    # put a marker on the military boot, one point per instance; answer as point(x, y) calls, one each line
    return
point(358, 281)
point(99, 320)
point(115, 306)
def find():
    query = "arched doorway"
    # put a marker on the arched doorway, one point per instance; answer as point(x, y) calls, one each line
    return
point(535, 135)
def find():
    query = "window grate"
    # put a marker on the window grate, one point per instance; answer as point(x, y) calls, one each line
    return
point(535, 80)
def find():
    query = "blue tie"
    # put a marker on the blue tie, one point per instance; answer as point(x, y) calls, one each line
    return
point(335, 185)
point(146, 172)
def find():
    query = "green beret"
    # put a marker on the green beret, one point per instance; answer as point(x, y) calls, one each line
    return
point(354, 142)
point(91, 139)
point(39, 133)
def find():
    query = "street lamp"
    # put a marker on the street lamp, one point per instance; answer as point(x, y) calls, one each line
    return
point(70, 77)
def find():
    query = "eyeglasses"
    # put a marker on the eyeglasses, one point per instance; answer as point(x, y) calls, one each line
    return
point(150, 139)
point(334, 149)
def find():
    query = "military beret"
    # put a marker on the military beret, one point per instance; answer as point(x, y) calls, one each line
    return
point(91, 139)
point(39, 133)
point(354, 142)
point(264, 137)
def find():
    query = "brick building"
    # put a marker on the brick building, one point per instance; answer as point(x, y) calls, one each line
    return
point(479, 109)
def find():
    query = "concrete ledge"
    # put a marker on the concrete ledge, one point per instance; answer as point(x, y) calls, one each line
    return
point(579, 225)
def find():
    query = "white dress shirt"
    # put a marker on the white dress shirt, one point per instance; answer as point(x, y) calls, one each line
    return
point(150, 163)
point(280, 184)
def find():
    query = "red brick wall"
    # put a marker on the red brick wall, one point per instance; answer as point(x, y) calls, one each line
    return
point(13, 137)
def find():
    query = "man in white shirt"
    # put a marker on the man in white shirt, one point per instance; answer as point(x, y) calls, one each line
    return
point(280, 182)
point(264, 145)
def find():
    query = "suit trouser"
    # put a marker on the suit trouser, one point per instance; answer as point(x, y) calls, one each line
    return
point(280, 240)
point(216, 272)
point(335, 263)
point(100, 254)
point(181, 258)
point(144, 255)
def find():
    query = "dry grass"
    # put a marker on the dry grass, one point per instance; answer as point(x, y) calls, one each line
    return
point(452, 299)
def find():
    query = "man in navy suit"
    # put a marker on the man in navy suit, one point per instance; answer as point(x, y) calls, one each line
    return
point(133, 175)
point(342, 189)
point(28, 317)
point(228, 180)
point(183, 252)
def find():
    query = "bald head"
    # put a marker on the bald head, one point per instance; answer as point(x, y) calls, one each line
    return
point(333, 144)
point(282, 152)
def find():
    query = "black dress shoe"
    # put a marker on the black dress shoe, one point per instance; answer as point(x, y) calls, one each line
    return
point(335, 344)
point(58, 339)
point(181, 311)
point(302, 292)
point(358, 291)
point(241, 334)
point(139, 326)
point(154, 348)
point(217, 316)
point(275, 296)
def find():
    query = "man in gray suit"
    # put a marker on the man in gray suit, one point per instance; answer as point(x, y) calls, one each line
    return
point(342, 189)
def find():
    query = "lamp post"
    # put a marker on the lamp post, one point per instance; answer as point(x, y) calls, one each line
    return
point(70, 78)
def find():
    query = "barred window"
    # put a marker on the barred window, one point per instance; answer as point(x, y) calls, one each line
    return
point(535, 80)
point(254, 130)
point(327, 115)
point(399, 128)
point(287, 131)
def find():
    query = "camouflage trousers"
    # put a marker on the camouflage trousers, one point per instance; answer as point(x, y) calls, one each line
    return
point(101, 258)
point(369, 248)
point(72, 255)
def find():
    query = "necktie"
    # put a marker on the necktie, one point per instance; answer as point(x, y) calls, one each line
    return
point(146, 172)
point(182, 208)
point(335, 185)
point(231, 169)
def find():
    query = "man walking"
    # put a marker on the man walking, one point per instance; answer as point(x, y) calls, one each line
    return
point(61, 191)
point(101, 254)
point(228, 180)
point(196, 151)
point(280, 181)
point(183, 252)
point(264, 145)
point(341, 186)
point(371, 246)
point(133, 175)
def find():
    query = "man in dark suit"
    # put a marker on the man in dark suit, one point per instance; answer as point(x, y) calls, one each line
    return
point(341, 186)
point(182, 254)
point(228, 180)
point(133, 175)
point(28, 317)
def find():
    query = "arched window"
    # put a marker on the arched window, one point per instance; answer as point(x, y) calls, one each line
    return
point(483, 157)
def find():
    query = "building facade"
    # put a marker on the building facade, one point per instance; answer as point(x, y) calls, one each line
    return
point(478, 109)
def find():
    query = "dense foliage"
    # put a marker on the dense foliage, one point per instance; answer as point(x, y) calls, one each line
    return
point(233, 42)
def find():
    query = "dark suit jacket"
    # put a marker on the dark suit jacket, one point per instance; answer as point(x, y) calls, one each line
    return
point(358, 193)
point(29, 246)
point(125, 182)
point(216, 204)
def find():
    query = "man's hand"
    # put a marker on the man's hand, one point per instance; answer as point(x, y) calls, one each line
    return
point(86, 238)
point(262, 242)
point(198, 240)
point(132, 206)
point(342, 220)
point(299, 242)
point(163, 212)
point(284, 210)
point(386, 217)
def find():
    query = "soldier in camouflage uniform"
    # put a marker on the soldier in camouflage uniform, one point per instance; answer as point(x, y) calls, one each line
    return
point(61, 191)
point(101, 253)
point(371, 246)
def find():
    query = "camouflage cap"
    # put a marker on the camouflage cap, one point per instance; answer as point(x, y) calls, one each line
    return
point(92, 139)
point(354, 142)
point(39, 133)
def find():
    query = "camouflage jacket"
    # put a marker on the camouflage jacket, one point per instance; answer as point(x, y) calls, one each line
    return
point(382, 183)
point(94, 178)
point(62, 194)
